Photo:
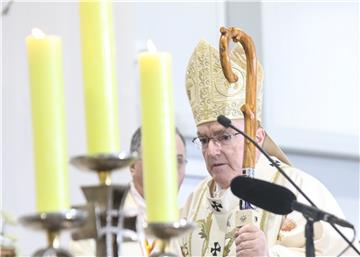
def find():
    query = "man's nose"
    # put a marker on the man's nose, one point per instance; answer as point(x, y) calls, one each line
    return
point(213, 148)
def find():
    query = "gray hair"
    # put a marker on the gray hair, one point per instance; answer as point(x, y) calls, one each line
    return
point(136, 140)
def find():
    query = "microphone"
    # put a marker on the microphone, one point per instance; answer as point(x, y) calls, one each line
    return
point(226, 122)
point(267, 196)
point(278, 199)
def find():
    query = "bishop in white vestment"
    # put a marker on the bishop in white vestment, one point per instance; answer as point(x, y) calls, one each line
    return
point(212, 206)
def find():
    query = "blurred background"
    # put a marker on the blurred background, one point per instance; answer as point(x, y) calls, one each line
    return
point(310, 55)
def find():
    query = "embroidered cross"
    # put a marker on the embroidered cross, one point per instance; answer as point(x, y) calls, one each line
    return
point(217, 206)
point(217, 248)
point(243, 218)
point(277, 162)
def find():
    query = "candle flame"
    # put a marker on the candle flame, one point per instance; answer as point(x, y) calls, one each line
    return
point(37, 33)
point(151, 46)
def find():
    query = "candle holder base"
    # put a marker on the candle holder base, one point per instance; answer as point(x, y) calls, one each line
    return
point(53, 252)
point(53, 223)
point(165, 232)
point(104, 162)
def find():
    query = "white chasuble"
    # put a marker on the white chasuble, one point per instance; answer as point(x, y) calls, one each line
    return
point(214, 217)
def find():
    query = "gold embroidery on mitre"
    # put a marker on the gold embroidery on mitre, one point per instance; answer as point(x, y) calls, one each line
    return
point(209, 93)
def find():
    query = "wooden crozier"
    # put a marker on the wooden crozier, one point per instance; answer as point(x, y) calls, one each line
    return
point(246, 214)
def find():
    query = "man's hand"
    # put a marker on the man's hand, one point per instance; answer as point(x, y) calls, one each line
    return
point(250, 241)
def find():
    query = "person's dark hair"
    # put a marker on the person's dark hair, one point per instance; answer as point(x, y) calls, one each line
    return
point(136, 140)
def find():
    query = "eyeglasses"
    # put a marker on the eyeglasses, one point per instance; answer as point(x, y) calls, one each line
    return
point(220, 140)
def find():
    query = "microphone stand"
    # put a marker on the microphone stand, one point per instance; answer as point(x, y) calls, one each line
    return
point(227, 123)
point(309, 235)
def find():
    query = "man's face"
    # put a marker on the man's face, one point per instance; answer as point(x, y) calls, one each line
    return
point(137, 170)
point(224, 162)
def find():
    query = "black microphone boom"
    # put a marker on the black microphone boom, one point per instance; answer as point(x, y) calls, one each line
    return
point(317, 214)
point(226, 122)
point(278, 199)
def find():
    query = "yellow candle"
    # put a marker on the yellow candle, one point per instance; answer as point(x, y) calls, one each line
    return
point(100, 89)
point(158, 137)
point(49, 130)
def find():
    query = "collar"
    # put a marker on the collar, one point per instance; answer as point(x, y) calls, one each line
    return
point(222, 200)
point(137, 199)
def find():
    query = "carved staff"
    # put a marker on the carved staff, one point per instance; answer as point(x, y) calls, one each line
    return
point(247, 214)
point(249, 108)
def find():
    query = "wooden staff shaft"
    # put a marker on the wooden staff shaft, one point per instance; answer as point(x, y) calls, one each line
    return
point(249, 108)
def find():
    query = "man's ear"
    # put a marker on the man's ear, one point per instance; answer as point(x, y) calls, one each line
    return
point(260, 135)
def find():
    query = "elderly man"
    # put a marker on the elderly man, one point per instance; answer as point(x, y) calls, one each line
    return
point(135, 200)
point(212, 206)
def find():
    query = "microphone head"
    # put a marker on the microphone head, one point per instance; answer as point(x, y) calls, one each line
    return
point(223, 120)
point(265, 195)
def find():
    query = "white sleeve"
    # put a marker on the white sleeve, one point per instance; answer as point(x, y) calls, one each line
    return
point(327, 241)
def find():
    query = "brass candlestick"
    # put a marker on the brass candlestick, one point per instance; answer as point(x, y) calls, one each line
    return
point(108, 224)
point(53, 223)
point(104, 164)
point(165, 232)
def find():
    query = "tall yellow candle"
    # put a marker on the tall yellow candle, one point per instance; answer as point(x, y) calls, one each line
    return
point(158, 137)
point(49, 130)
point(100, 89)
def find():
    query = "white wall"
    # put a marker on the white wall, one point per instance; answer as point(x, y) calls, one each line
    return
point(311, 55)
point(309, 51)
